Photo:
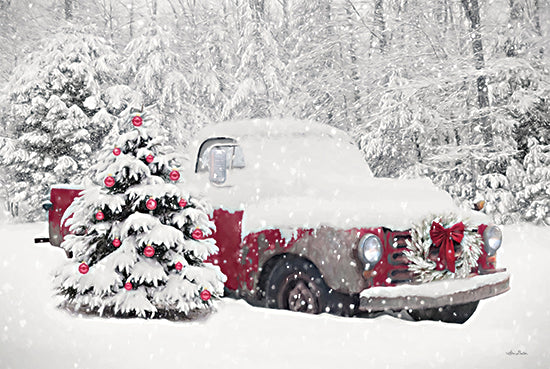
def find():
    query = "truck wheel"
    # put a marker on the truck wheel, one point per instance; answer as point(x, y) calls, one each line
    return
point(448, 314)
point(295, 284)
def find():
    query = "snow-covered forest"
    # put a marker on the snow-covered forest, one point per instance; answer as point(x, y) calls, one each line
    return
point(110, 96)
point(455, 90)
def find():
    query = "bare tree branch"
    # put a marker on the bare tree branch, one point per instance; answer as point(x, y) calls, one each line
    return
point(379, 37)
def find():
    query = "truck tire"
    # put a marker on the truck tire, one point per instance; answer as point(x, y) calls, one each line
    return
point(295, 284)
point(449, 314)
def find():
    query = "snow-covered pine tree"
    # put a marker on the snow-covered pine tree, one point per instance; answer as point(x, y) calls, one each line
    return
point(515, 74)
point(321, 58)
point(414, 115)
point(140, 240)
point(423, 115)
point(53, 96)
point(535, 197)
point(500, 203)
point(154, 66)
point(207, 50)
point(257, 83)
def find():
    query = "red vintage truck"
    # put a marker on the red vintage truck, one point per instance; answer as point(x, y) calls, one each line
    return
point(302, 224)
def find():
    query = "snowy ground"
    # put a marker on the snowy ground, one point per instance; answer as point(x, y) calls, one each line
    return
point(508, 331)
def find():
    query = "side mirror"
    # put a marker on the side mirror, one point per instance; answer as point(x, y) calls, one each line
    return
point(218, 165)
point(47, 206)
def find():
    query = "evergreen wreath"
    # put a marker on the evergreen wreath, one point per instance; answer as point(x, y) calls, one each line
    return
point(420, 245)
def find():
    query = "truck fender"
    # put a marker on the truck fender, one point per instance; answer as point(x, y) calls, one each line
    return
point(332, 251)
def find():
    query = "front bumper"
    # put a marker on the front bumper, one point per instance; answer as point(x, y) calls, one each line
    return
point(434, 294)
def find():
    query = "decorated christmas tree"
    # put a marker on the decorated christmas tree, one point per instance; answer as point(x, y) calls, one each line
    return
point(140, 240)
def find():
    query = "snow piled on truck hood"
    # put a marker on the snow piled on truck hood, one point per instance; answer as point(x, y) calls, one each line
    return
point(381, 202)
point(306, 175)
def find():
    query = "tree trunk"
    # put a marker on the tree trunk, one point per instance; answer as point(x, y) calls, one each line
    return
point(4, 4)
point(380, 24)
point(355, 105)
point(511, 45)
point(68, 9)
point(154, 10)
point(472, 12)
point(131, 21)
point(111, 33)
point(176, 15)
point(471, 7)
point(258, 7)
point(286, 17)
point(449, 18)
point(538, 10)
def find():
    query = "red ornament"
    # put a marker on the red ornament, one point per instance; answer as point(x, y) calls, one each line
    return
point(109, 181)
point(137, 121)
point(443, 238)
point(179, 266)
point(128, 286)
point(149, 158)
point(197, 234)
point(99, 215)
point(205, 295)
point(151, 204)
point(116, 242)
point(83, 268)
point(174, 175)
point(116, 151)
point(149, 251)
point(182, 203)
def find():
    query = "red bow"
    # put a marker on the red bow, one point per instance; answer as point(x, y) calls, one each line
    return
point(443, 238)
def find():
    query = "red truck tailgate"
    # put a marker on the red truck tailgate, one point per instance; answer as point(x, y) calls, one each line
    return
point(61, 196)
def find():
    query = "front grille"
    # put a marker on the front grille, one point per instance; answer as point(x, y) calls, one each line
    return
point(397, 258)
point(399, 276)
point(434, 252)
point(399, 240)
point(399, 270)
point(398, 265)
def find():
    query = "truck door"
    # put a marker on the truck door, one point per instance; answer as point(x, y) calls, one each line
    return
point(216, 156)
point(228, 239)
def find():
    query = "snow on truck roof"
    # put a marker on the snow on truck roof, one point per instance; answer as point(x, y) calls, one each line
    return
point(275, 151)
point(268, 128)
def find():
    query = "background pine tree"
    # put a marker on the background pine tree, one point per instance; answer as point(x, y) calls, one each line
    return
point(154, 67)
point(53, 97)
point(534, 199)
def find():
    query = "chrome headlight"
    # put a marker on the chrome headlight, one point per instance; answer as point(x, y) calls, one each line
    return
point(370, 250)
point(492, 238)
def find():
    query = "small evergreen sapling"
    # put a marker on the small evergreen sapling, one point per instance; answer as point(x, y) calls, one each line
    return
point(140, 240)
